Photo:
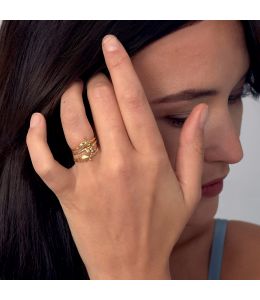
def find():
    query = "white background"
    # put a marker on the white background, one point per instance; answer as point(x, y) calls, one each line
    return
point(240, 198)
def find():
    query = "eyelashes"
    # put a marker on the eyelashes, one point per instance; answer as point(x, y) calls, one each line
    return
point(233, 99)
point(176, 122)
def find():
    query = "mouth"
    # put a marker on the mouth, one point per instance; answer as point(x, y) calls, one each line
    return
point(212, 188)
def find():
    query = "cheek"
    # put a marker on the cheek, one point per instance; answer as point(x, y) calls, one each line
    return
point(170, 137)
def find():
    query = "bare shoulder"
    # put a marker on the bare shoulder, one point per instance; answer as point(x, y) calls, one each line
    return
point(241, 258)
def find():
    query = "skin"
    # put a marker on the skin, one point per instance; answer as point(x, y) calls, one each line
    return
point(193, 153)
point(133, 210)
point(215, 53)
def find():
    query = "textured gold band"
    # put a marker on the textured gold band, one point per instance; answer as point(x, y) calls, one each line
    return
point(85, 150)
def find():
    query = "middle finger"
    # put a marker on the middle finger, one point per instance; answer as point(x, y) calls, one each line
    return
point(134, 106)
point(108, 121)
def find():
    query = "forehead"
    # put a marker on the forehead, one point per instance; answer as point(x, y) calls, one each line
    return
point(205, 53)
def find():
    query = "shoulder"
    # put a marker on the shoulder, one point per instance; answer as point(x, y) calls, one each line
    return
point(241, 257)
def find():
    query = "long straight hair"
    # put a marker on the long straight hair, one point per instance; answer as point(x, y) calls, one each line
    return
point(38, 61)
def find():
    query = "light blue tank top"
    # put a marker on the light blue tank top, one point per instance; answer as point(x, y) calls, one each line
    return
point(217, 249)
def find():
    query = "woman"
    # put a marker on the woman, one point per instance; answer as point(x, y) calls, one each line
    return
point(140, 209)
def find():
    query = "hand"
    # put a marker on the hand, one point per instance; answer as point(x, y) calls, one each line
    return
point(126, 208)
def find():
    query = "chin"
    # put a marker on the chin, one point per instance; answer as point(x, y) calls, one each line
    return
point(205, 211)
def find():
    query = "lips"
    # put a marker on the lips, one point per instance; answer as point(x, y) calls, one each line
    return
point(212, 190)
point(213, 181)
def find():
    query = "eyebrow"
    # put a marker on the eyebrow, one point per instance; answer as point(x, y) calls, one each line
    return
point(191, 94)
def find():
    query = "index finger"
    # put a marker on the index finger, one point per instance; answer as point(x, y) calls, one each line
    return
point(134, 106)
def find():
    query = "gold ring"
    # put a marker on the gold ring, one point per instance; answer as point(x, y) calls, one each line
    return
point(85, 150)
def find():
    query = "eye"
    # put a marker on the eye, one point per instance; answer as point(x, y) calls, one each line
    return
point(176, 122)
point(233, 99)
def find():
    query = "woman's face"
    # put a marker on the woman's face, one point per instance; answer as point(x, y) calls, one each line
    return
point(208, 55)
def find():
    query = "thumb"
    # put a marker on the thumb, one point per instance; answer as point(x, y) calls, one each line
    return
point(190, 155)
point(54, 175)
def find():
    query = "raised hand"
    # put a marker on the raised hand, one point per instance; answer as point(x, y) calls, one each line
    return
point(126, 208)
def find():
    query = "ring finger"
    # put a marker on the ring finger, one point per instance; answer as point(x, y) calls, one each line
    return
point(74, 121)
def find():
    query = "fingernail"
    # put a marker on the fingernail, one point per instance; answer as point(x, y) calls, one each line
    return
point(203, 117)
point(35, 120)
point(110, 42)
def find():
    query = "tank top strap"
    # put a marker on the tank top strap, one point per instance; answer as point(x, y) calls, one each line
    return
point(217, 249)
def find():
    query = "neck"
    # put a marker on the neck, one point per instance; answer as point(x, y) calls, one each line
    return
point(190, 256)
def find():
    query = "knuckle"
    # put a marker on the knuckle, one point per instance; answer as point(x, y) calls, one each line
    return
point(28, 138)
point(156, 166)
point(72, 91)
point(119, 59)
point(44, 171)
point(157, 159)
point(71, 116)
point(31, 138)
point(99, 77)
point(133, 98)
point(100, 89)
point(120, 167)
point(67, 98)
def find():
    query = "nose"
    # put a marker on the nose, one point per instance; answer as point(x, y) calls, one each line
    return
point(221, 139)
